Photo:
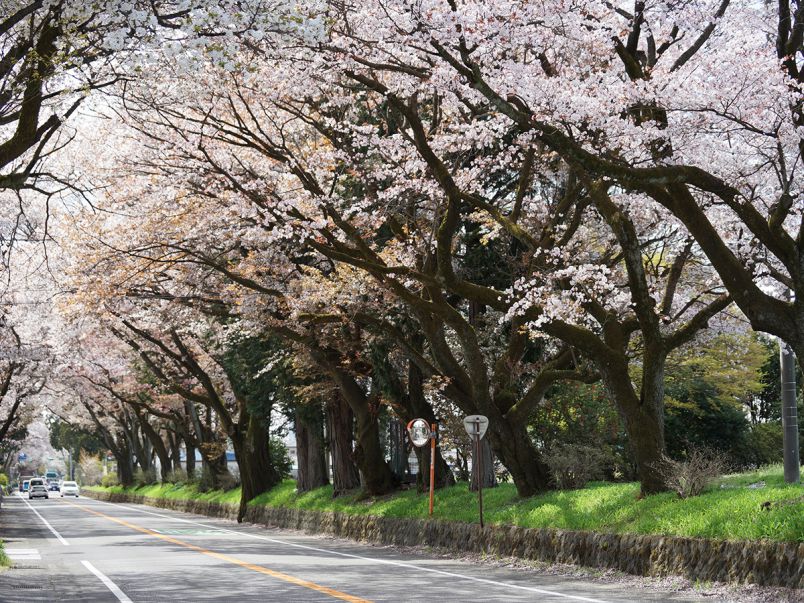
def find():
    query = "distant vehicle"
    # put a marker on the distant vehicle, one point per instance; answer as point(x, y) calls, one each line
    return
point(25, 485)
point(70, 489)
point(53, 487)
point(52, 475)
point(37, 488)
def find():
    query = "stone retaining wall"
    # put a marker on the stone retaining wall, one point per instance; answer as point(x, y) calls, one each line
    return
point(761, 562)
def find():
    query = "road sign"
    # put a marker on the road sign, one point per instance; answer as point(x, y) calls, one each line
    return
point(22, 457)
point(476, 425)
point(419, 432)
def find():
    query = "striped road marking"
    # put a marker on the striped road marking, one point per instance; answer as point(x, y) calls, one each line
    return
point(23, 554)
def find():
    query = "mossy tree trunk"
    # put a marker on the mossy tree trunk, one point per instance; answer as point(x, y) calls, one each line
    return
point(310, 451)
point(340, 420)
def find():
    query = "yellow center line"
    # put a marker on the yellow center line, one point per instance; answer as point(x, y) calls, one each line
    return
point(256, 568)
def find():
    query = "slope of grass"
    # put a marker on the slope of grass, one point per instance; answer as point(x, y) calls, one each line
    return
point(4, 559)
point(728, 510)
point(176, 492)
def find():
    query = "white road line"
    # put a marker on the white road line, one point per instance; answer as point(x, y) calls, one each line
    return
point(532, 589)
point(121, 596)
point(44, 521)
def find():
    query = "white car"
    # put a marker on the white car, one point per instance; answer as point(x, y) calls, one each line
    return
point(70, 489)
point(37, 488)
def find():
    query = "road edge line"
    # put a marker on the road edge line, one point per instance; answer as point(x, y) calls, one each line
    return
point(45, 521)
point(121, 596)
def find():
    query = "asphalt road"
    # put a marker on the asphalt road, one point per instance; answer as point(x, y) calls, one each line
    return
point(86, 550)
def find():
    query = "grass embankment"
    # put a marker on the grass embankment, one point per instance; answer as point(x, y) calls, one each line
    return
point(731, 512)
point(175, 492)
point(5, 561)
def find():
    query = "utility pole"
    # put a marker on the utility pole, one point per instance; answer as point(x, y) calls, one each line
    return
point(787, 362)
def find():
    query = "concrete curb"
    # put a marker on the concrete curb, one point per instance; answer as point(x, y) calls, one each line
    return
point(757, 562)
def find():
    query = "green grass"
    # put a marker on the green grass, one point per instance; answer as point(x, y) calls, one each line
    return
point(5, 561)
point(732, 512)
point(175, 492)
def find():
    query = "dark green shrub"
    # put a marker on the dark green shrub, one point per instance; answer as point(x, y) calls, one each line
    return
point(177, 476)
point(764, 444)
point(144, 478)
point(280, 457)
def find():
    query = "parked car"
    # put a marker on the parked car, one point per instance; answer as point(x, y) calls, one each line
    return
point(70, 489)
point(37, 488)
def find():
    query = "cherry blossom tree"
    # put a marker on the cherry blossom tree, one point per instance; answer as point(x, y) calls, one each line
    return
point(499, 196)
point(444, 149)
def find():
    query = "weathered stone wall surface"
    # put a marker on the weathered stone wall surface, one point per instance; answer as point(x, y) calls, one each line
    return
point(765, 563)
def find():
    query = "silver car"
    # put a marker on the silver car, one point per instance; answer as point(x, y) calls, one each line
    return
point(69, 489)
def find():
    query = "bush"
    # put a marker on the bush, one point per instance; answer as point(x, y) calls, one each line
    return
point(177, 476)
point(280, 457)
point(109, 480)
point(765, 444)
point(3, 479)
point(691, 476)
point(144, 478)
point(206, 482)
point(573, 465)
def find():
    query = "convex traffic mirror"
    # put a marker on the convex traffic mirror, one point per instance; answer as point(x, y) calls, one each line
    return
point(419, 432)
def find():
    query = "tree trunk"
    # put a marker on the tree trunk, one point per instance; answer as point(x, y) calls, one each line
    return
point(647, 442)
point(340, 418)
point(175, 449)
point(189, 455)
point(213, 465)
point(312, 464)
point(125, 468)
point(144, 459)
point(643, 417)
point(516, 451)
point(461, 466)
point(158, 444)
point(398, 449)
point(488, 478)
point(257, 474)
point(375, 473)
